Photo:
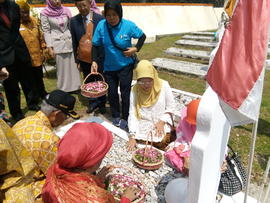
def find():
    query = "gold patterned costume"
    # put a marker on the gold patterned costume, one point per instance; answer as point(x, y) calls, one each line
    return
point(34, 41)
point(17, 170)
point(36, 134)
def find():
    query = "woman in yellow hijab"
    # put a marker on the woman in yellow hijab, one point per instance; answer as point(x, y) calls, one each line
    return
point(151, 106)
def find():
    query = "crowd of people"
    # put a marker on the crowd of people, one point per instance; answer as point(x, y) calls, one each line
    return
point(37, 166)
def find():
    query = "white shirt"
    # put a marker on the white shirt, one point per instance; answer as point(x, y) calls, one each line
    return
point(151, 115)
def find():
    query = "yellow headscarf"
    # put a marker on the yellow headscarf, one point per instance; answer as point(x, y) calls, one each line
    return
point(146, 99)
point(23, 4)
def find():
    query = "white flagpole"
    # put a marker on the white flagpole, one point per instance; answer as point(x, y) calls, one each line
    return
point(251, 156)
point(265, 177)
point(252, 145)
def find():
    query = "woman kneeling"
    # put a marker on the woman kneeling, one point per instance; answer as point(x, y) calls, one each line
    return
point(151, 107)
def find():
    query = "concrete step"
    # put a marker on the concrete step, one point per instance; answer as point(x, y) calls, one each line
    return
point(196, 43)
point(196, 69)
point(267, 64)
point(198, 37)
point(203, 33)
point(188, 53)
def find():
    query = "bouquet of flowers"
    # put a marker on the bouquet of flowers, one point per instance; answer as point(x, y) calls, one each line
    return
point(118, 181)
point(148, 158)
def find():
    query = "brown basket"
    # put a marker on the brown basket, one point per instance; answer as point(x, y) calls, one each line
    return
point(143, 164)
point(91, 93)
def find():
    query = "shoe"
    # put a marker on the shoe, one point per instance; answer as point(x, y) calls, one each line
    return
point(102, 110)
point(123, 124)
point(34, 108)
point(116, 122)
point(91, 109)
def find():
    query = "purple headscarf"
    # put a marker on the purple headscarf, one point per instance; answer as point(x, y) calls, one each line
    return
point(94, 7)
point(52, 11)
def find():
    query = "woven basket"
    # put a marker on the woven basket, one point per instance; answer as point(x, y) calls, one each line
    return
point(124, 176)
point(146, 155)
point(145, 165)
point(94, 89)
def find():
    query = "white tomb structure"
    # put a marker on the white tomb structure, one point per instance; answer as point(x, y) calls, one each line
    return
point(207, 154)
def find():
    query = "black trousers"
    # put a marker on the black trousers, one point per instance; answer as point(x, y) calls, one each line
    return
point(20, 73)
point(122, 78)
point(93, 102)
point(38, 81)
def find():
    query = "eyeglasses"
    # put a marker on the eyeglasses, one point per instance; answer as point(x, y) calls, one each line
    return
point(145, 82)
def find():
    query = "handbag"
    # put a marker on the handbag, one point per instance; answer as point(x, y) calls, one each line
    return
point(234, 178)
point(167, 139)
point(84, 50)
point(133, 56)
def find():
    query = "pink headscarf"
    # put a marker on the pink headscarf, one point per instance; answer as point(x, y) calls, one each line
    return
point(186, 128)
point(52, 11)
point(94, 7)
point(82, 147)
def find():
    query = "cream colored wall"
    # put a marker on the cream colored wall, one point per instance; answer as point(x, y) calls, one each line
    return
point(165, 20)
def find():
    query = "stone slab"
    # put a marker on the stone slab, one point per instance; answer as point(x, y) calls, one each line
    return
point(196, 43)
point(203, 33)
point(188, 53)
point(196, 69)
point(267, 64)
point(199, 37)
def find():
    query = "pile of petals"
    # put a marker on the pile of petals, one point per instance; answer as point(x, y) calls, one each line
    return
point(148, 156)
point(118, 183)
point(98, 86)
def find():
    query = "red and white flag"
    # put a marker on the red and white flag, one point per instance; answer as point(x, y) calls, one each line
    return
point(237, 71)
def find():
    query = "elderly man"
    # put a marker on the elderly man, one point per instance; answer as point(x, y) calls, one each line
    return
point(78, 26)
point(36, 132)
point(15, 59)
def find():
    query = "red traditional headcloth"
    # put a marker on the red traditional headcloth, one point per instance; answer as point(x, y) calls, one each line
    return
point(83, 146)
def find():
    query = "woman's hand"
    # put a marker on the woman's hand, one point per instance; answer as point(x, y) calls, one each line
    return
point(160, 128)
point(104, 172)
point(4, 73)
point(51, 52)
point(131, 193)
point(130, 51)
point(94, 68)
point(131, 145)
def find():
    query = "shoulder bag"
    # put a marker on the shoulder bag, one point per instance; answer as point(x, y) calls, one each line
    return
point(234, 178)
point(134, 56)
point(84, 51)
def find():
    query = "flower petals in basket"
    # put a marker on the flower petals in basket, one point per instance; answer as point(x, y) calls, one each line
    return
point(148, 158)
point(94, 89)
point(119, 182)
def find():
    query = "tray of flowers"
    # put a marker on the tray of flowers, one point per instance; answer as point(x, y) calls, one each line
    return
point(120, 179)
point(148, 158)
point(94, 89)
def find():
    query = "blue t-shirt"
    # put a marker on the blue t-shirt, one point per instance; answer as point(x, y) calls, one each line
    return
point(122, 33)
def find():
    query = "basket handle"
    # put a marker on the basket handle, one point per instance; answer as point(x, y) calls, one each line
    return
point(93, 74)
point(145, 149)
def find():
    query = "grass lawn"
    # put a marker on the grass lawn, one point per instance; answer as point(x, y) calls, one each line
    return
point(240, 136)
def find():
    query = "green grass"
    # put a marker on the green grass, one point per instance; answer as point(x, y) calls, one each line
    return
point(240, 136)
